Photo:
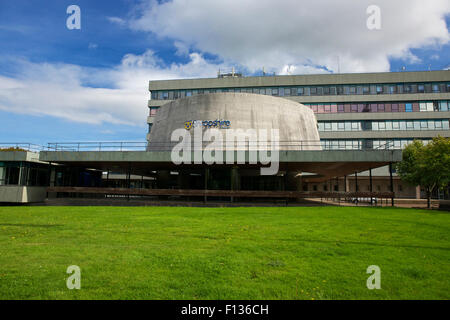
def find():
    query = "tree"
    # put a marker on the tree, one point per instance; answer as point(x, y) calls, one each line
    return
point(426, 165)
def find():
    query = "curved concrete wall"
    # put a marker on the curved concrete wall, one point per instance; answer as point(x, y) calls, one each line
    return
point(297, 124)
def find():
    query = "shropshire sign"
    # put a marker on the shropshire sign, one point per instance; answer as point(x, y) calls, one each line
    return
point(207, 124)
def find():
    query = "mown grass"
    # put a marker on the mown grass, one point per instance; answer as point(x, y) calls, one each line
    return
point(223, 253)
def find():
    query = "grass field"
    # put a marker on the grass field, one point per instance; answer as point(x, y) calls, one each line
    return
point(223, 253)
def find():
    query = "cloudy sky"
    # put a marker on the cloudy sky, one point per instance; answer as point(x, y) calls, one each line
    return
point(91, 84)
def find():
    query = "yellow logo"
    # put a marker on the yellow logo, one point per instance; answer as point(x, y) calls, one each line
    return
point(188, 125)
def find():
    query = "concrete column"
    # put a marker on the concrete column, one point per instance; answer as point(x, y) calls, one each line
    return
point(391, 182)
point(234, 176)
point(418, 192)
point(51, 182)
point(206, 182)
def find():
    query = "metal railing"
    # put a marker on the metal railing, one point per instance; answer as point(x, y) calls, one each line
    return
point(97, 146)
point(302, 145)
point(21, 146)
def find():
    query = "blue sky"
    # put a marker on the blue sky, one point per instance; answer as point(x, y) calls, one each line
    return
point(91, 84)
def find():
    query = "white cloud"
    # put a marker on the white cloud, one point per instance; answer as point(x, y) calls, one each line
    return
point(92, 45)
point(116, 20)
point(79, 94)
point(257, 33)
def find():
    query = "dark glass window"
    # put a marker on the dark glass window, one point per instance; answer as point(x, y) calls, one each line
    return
point(366, 90)
point(333, 91)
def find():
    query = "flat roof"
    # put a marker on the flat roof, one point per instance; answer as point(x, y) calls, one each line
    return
point(308, 79)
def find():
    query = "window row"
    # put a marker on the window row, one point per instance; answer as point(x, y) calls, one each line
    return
point(23, 173)
point(384, 125)
point(330, 90)
point(365, 144)
point(422, 106)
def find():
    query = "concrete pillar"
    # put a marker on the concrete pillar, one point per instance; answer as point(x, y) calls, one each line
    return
point(206, 177)
point(418, 192)
point(391, 182)
point(235, 181)
point(346, 184)
point(51, 181)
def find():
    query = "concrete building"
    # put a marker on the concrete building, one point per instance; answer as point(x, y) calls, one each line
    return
point(296, 124)
point(23, 178)
point(371, 111)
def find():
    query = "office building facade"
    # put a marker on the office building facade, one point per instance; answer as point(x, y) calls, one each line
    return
point(369, 111)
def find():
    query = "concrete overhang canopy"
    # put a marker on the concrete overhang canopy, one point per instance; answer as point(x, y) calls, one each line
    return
point(324, 163)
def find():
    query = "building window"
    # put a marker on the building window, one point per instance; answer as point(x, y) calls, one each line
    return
point(379, 89)
point(395, 125)
point(153, 111)
point(423, 124)
point(392, 89)
point(333, 91)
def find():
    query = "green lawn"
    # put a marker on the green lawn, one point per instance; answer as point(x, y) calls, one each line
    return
point(223, 253)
